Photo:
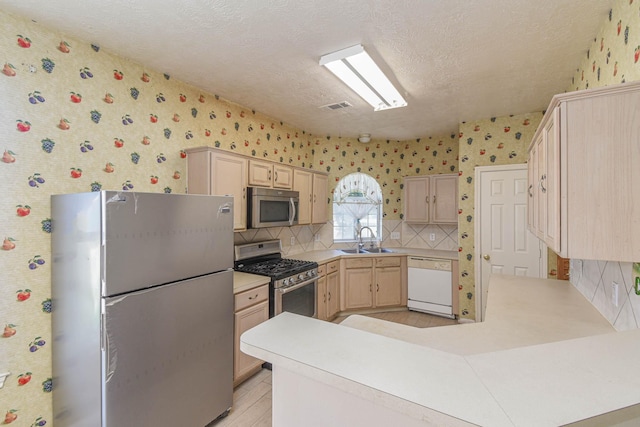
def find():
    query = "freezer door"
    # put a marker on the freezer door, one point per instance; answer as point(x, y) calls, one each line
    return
point(168, 354)
point(156, 238)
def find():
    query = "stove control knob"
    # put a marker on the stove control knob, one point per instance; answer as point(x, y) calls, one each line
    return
point(300, 276)
point(284, 282)
point(310, 273)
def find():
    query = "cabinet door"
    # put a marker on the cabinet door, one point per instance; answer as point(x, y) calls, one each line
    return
point(358, 288)
point(228, 176)
point(541, 176)
point(321, 298)
point(282, 176)
point(532, 171)
point(245, 320)
point(388, 286)
point(320, 191)
point(303, 184)
point(199, 172)
point(333, 295)
point(551, 230)
point(444, 198)
point(260, 173)
point(416, 199)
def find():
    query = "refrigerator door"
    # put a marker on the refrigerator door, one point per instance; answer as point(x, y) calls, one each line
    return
point(155, 238)
point(168, 354)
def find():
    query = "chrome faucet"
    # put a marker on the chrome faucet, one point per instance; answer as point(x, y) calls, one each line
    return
point(373, 236)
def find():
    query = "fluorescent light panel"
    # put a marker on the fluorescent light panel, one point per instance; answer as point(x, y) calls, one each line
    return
point(358, 71)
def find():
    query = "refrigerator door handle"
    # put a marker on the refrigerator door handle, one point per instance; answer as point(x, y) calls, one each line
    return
point(105, 348)
point(225, 209)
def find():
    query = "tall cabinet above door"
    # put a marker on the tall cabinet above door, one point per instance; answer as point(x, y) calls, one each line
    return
point(214, 172)
point(584, 175)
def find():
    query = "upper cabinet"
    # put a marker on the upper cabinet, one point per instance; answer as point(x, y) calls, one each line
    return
point(215, 172)
point(431, 199)
point(219, 172)
point(312, 187)
point(319, 209)
point(584, 177)
point(268, 174)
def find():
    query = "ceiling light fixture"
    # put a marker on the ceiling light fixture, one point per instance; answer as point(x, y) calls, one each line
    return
point(356, 68)
point(364, 137)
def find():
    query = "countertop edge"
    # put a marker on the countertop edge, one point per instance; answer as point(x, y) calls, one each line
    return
point(498, 372)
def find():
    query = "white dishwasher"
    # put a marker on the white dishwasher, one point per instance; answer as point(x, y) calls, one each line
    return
point(430, 286)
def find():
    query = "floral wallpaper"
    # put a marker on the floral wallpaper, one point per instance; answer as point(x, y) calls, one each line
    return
point(614, 55)
point(495, 141)
point(77, 118)
point(82, 119)
point(612, 58)
point(387, 161)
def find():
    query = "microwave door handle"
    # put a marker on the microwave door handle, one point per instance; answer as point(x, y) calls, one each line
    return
point(292, 211)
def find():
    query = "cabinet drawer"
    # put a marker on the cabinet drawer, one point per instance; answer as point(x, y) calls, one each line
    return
point(252, 296)
point(388, 262)
point(322, 270)
point(333, 266)
point(358, 262)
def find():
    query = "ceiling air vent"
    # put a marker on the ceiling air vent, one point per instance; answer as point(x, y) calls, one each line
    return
point(337, 106)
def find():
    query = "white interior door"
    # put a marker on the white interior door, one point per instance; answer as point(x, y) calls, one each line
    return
point(503, 243)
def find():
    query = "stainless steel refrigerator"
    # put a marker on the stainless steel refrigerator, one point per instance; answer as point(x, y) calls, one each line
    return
point(142, 290)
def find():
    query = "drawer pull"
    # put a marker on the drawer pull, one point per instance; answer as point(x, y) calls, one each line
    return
point(254, 297)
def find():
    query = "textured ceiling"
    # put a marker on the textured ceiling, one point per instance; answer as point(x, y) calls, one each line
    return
point(455, 60)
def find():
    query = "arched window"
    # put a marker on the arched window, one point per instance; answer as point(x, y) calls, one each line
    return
point(357, 203)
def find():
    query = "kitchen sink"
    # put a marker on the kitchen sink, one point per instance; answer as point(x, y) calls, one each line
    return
point(354, 251)
point(379, 251)
point(367, 251)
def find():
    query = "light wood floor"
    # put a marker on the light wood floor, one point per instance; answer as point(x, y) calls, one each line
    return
point(252, 399)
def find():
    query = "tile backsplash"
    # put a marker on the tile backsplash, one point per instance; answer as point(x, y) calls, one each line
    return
point(594, 280)
point(320, 237)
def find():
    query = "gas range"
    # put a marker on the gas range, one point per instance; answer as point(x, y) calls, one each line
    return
point(265, 259)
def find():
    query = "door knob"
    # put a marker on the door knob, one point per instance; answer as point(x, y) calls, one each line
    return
point(486, 257)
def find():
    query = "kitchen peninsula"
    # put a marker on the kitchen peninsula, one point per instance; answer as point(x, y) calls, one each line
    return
point(544, 356)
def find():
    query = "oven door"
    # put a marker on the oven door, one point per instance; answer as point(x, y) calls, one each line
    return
point(298, 299)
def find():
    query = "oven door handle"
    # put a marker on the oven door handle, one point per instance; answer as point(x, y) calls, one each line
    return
point(296, 286)
point(292, 211)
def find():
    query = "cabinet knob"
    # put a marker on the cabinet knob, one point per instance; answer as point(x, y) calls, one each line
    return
point(487, 257)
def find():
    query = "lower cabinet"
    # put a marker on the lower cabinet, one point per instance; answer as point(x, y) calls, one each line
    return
point(251, 309)
point(369, 282)
point(388, 282)
point(328, 290)
point(333, 291)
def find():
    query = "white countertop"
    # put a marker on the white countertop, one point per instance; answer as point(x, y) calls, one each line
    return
point(322, 256)
point(521, 311)
point(245, 281)
point(543, 357)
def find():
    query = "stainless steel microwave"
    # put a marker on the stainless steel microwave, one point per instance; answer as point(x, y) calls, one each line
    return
point(270, 207)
